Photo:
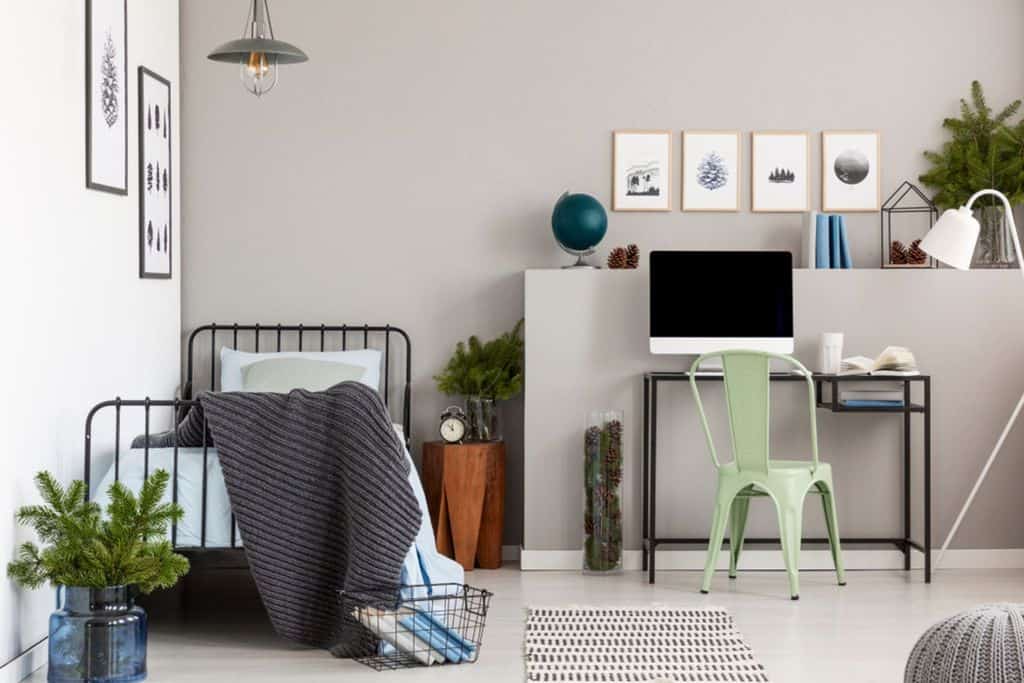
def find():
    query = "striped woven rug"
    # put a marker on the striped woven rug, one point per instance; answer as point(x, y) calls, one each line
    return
point(637, 644)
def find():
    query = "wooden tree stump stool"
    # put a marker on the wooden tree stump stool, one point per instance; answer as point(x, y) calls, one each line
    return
point(465, 487)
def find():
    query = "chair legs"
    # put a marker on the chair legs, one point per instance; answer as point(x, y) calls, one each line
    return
point(791, 532)
point(721, 517)
point(732, 511)
point(828, 504)
point(737, 531)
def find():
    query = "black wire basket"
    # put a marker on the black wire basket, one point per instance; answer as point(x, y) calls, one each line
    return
point(415, 626)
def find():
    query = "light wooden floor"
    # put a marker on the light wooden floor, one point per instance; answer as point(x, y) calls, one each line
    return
point(862, 632)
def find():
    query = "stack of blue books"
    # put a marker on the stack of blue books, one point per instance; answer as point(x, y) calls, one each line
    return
point(830, 247)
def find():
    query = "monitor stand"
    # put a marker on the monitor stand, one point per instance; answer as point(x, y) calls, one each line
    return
point(712, 367)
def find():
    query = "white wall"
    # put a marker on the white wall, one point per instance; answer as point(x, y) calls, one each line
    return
point(79, 325)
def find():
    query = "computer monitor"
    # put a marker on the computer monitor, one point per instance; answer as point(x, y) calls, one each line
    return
point(704, 301)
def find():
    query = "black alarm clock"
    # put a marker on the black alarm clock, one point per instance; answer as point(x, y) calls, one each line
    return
point(454, 425)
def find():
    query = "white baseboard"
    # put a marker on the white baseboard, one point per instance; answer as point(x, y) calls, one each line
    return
point(24, 665)
point(998, 558)
point(753, 559)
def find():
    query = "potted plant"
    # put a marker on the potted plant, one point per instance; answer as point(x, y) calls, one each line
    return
point(984, 151)
point(485, 373)
point(99, 566)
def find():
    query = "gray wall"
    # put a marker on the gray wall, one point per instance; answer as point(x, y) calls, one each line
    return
point(588, 347)
point(406, 174)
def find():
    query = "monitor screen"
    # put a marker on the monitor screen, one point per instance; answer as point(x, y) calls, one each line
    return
point(720, 296)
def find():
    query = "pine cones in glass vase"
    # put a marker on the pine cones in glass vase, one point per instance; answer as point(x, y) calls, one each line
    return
point(617, 258)
point(916, 256)
point(898, 253)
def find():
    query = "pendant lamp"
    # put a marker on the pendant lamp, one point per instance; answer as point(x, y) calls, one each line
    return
point(257, 53)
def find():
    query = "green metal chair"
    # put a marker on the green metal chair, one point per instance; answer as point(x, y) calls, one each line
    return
point(753, 473)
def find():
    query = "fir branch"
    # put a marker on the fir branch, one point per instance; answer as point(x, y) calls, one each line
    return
point(490, 370)
point(984, 151)
point(85, 550)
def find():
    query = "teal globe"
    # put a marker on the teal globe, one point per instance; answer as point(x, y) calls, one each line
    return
point(579, 223)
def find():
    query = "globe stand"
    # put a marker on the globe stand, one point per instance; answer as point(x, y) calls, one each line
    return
point(579, 254)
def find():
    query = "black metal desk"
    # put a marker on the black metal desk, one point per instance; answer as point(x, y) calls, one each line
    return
point(651, 540)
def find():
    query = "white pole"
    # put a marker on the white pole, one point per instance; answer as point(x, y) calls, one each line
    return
point(1020, 403)
point(981, 478)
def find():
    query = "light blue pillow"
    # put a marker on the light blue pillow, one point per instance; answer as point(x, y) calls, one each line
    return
point(232, 364)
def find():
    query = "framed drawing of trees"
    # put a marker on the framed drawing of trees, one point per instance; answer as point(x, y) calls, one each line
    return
point(106, 90)
point(156, 227)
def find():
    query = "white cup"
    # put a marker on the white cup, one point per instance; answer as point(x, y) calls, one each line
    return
point(830, 353)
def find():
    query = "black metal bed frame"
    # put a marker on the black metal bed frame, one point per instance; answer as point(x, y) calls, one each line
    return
point(232, 556)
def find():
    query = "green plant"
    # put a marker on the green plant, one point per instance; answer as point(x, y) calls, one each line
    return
point(490, 370)
point(84, 550)
point(985, 151)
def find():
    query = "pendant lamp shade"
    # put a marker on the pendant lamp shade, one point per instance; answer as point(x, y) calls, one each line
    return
point(234, 51)
point(257, 52)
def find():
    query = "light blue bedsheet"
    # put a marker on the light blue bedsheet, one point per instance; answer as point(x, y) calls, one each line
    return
point(423, 564)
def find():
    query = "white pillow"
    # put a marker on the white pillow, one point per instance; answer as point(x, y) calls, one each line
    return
point(232, 362)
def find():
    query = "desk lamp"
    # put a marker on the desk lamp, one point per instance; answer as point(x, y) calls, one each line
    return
point(952, 240)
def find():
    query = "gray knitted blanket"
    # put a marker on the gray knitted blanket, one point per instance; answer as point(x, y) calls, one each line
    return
point(319, 486)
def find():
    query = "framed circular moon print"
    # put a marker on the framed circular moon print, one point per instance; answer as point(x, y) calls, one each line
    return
point(850, 173)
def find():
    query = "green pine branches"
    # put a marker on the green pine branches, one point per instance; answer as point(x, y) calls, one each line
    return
point(985, 151)
point(83, 549)
point(489, 370)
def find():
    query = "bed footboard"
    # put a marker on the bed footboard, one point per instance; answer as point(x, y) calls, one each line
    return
point(149, 408)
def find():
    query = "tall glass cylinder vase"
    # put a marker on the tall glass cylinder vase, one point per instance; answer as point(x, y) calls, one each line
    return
point(995, 245)
point(602, 493)
point(484, 424)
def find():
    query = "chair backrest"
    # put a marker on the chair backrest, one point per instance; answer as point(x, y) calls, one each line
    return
point(747, 376)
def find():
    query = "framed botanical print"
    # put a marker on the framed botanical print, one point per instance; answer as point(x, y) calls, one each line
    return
point(156, 178)
point(711, 170)
point(642, 170)
point(850, 172)
point(780, 171)
point(106, 96)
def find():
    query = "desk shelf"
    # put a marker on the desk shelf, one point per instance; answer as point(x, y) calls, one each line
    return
point(840, 408)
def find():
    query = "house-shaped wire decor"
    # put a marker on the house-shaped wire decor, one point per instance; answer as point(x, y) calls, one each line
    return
point(896, 253)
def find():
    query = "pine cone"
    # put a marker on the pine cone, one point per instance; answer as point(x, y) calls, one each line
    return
point(898, 253)
point(916, 255)
point(614, 428)
point(617, 259)
point(632, 256)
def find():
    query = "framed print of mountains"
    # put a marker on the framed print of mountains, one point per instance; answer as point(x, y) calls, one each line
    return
point(642, 170)
point(156, 227)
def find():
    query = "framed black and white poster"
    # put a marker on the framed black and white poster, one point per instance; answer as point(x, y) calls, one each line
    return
point(642, 170)
point(850, 174)
point(106, 96)
point(156, 227)
point(711, 170)
point(779, 172)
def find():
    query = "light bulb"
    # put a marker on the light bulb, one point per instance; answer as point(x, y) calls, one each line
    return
point(259, 73)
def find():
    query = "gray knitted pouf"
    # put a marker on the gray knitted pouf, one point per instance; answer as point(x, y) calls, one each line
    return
point(981, 645)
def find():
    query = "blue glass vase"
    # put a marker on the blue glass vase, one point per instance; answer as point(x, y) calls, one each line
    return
point(98, 635)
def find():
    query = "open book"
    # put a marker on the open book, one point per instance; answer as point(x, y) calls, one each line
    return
point(895, 361)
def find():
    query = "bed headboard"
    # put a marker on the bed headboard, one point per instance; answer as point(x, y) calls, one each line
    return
point(392, 341)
